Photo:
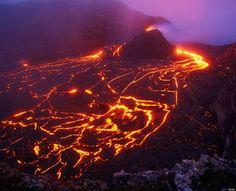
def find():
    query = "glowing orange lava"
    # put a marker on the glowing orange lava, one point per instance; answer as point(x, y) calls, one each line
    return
point(150, 28)
point(36, 150)
point(73, 91)
point(117, 51)
point(121, 107)
point(199, 60)
point(88, 92)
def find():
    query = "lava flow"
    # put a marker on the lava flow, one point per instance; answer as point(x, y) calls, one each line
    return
point(86, 110)
point(150, 28)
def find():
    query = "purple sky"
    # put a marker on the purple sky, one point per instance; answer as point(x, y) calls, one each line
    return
point(209, 21)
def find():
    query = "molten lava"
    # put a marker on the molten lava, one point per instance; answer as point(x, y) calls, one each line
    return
point(150, 28)
point(73, 91)
point(119, 108)
point(117, 51)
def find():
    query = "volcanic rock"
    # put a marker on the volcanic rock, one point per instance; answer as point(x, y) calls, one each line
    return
point(192, 175)
point(208, 173)
point(224, 105)
point(225, 109)
point(185, 176)
point(148, 45)
point(228, 57)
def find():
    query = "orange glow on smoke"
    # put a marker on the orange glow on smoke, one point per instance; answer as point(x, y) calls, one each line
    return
point(24, 63)
point(150, 28)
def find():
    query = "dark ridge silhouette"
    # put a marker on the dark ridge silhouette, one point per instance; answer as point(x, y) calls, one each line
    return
point(148, 45)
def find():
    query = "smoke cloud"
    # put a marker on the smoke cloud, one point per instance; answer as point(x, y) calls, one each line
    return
point(206, 21)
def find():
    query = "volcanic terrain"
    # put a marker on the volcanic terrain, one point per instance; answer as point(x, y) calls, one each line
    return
point(90, 98)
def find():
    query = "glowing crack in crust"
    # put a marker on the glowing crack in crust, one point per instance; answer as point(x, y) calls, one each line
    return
point(84, 110)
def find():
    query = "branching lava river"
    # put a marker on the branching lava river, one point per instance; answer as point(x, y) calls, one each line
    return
point(86, 110)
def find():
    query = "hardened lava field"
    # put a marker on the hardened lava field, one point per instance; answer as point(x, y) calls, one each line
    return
point(81, 111)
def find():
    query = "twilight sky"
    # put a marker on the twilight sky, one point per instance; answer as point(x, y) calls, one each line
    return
point(209, 21)
point(10, 1)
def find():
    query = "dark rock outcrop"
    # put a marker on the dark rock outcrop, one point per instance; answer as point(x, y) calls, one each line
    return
point(225, 109)
point(185, 176)
point(225, 105)
point(11, 179)
point(228, 58)
point(188, 174)
point(148, 45)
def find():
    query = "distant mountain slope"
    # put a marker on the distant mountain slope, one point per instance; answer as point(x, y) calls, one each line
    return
point(48, 29)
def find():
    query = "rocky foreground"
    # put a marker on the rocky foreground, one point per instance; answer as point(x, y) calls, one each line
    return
point(208, 173)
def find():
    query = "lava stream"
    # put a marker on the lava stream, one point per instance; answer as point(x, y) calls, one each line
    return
point(83, 110)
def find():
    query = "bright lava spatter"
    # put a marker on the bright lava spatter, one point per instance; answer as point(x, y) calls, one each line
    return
point(86, 110)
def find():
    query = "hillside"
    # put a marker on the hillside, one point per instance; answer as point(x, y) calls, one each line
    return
point(41, 30)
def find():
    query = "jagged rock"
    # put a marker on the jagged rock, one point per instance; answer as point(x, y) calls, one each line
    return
point(182, 177)
point(189, 171)
point(185, 176)
point(11, 179)
point(148, 180)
